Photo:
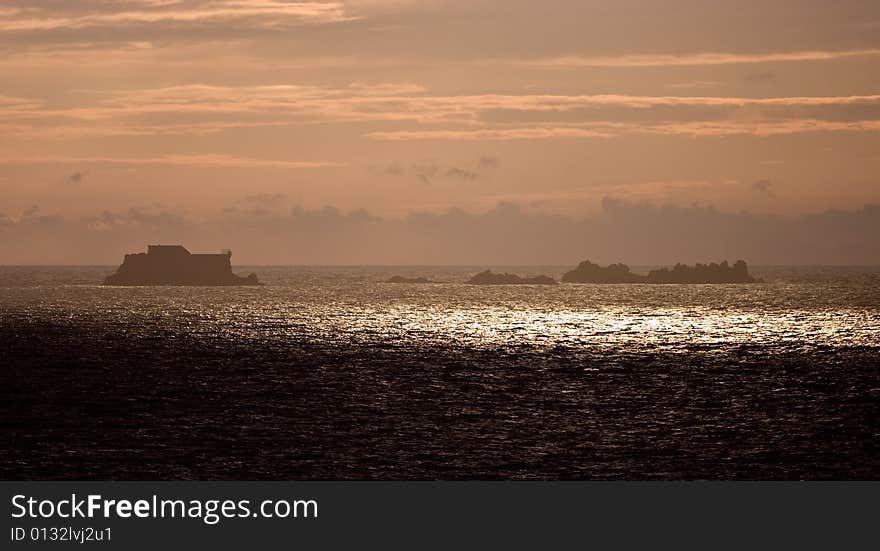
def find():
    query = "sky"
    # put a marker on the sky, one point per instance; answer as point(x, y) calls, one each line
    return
point(441, 131)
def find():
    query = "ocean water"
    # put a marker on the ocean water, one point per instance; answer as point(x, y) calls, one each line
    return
point(329, 373)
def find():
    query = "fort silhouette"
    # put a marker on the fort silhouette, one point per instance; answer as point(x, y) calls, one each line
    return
point(175, 265)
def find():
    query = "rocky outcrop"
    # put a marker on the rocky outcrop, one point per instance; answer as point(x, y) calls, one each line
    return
point(174, 265)
point(587, 272)
point(703, 273)
point(490, 278)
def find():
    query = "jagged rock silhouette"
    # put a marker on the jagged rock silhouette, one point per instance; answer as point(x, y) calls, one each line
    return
point(588, 272)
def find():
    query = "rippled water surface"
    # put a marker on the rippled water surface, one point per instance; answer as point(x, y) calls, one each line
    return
point(331, 373)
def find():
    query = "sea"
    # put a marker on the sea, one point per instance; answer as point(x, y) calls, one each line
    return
point(331, 373)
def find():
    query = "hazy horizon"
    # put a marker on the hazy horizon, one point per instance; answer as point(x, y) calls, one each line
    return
point(633, 233)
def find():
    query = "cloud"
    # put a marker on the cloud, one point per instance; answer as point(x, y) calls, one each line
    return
point(257, 204)
point(427, 171)
point(408, 111)
point(462, 174)
point(533, 133)
point(763, 186)
point(694, 84)
point(394, 169)
point(488, 162)
point(138, 218)
point(200, 109)
point(10, 104)
point(610, 130)
point(763, 77)
point(264, 14)
point(206, 160)
point(696, 59)
point(32, 219)
point(396, 96)
point(623, 231)
point(265, 198)
point(391, 169)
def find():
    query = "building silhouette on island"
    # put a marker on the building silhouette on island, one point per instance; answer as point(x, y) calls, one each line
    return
point(175, 265)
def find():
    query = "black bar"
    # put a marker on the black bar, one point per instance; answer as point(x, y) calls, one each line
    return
point(488, 515)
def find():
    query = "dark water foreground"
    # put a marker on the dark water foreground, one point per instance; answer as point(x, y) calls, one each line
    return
point(399, 383)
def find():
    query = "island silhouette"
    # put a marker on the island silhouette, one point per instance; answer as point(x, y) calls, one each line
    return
point(490, 278)
point(175, 265)
point(587, 272)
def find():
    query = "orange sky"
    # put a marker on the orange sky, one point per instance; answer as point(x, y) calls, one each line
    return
point(206, 109)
